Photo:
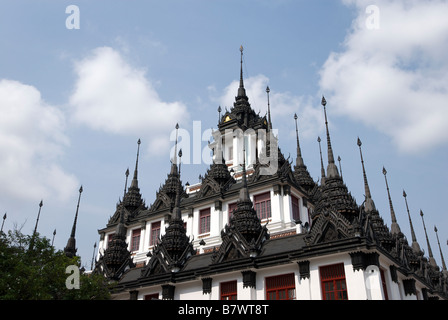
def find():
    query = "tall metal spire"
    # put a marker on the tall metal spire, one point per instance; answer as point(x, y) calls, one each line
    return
point(415, 245)
point(441, 254)
point(299, 159)
point(340, 167)
point(177, 211)
point(322, 170)
point(369, 204)
point(174, 160)
point(70, 249)
point(269, 108)
point(4, 218)
point(432, 261)
point(35, 227)
point(126, 182)
point(38, 215)
point(332, 170)
point(134, 182)
point(241, 90)
point(394, 228)
point(244, 192)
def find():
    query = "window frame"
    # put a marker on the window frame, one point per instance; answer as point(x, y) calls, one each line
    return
point(135, 239)
point(230, 213)
point(262, 205)
point(295, 214)
point(155, 233)
point(204, 220)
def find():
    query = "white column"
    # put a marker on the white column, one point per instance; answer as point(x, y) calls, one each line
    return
point(374, 290)
point(356, 288)
point(303, 288)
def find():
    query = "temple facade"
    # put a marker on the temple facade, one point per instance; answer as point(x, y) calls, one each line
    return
point(258, 227)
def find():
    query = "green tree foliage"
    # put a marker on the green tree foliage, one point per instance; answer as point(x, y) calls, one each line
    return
point(32, 269)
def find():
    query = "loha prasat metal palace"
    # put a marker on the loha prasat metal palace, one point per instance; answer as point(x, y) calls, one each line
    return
point(258, 227)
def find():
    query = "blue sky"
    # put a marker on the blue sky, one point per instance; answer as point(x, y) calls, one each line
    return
point(75, 101)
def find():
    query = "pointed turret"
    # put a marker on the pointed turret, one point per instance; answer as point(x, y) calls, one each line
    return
point(116, 257)
point(369, 205)
point(441, 254)
point(269, 109)
point(175, 246)
point(301, 173)
point(415, 245)
point(322, 170)
point(394, 227)
point(166, 195)
point(334, 193)
point(241, 89)
point(432, 261)
point(70, 249)
point(132, 200)
point(332, 170)
point(244, 230)
point(134, 183)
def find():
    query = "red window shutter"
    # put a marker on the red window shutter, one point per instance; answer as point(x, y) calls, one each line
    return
point(281, 287)
point(228, 290)
point(333, 282)
point(153, 296)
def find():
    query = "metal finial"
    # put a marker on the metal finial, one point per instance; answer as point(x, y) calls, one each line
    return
point(80, 189)
point(359, 142)
point(384, 171)
point(267, 89)
point(241, 49)
point(324, 102)
point(41, 203)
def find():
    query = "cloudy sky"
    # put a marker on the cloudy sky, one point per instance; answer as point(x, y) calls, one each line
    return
point(77, 94)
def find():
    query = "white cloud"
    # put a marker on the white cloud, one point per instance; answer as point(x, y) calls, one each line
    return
point(283, 105)
point(32, 139)
point(115, 97)
point(394, 78)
